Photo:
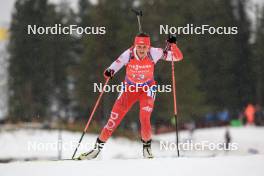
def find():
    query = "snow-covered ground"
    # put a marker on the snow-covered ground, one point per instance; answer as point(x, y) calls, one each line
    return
point(32, 143)
point(220, 166)
point(123, 157)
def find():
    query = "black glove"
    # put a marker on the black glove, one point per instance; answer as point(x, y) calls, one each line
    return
point(109, 73)
point(172, 38)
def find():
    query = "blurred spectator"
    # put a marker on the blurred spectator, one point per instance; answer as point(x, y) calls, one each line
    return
point(223, 116)
point(259, 116)
point(227, 139)
point(134, 127)
point(210, 119)
point(190, 126)
point(250, 114)
point(238, 120)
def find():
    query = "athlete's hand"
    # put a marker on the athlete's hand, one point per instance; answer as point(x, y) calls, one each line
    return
point(109, 73)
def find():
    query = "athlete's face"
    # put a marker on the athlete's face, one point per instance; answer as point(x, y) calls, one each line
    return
point(142, 50)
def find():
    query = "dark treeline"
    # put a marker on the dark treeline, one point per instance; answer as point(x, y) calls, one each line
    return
point(52, 76)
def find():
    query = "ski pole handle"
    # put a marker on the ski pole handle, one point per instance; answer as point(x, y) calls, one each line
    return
point(137, 12)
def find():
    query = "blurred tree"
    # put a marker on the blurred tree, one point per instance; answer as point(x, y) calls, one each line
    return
point(101, 50)
point(54, 74)
point(243, 71)
point(219, 58)
point(214, 54)
point(64, 59)
point(258, 55)
point(190, 99)
point(38, 63)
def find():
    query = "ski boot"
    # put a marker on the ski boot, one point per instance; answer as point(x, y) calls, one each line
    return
point(147, 153)
point(94, 152)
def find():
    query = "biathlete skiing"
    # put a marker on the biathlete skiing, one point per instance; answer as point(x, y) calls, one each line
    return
point(139, 61)
point(139, 86)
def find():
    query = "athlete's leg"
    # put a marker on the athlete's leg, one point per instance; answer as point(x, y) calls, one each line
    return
point(146, 101)
point(123, 103)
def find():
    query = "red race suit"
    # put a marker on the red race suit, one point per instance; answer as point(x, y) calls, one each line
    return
point(140, 79)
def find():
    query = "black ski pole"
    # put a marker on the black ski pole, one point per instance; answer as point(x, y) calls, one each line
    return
point(139, 14)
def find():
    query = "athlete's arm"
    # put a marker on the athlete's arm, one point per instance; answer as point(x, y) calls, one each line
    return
point(119, 62)
point(174, 54)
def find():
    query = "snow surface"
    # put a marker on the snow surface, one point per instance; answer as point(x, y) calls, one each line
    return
point(122, 156)
point(30, 143)
point(220, 166)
